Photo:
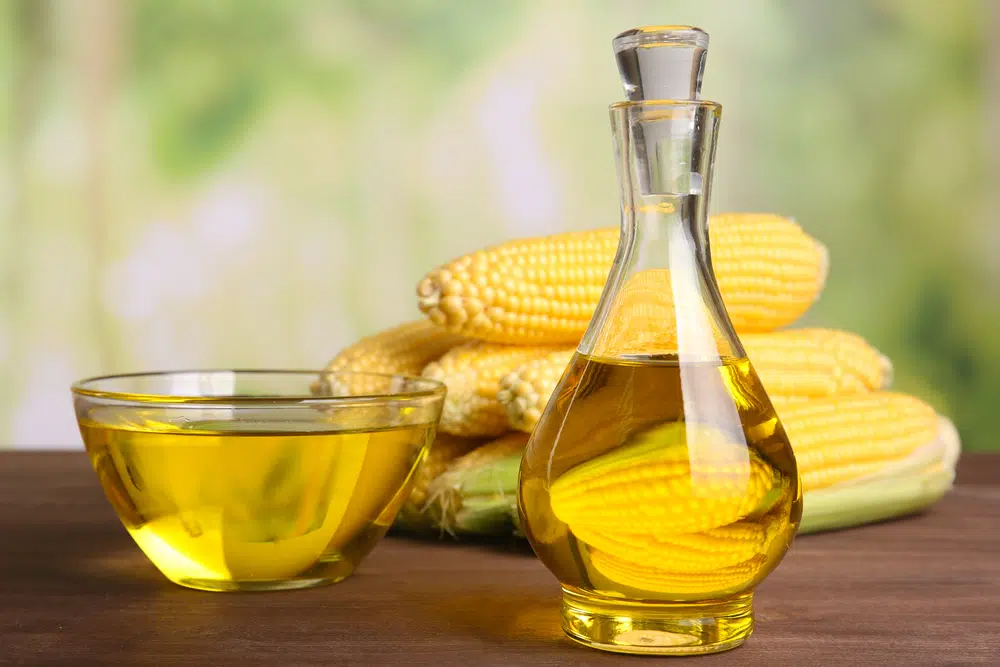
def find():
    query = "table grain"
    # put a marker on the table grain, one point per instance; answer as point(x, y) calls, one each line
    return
point(74, 589)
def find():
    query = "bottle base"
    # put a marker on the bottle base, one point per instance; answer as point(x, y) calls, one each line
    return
point(681, 628)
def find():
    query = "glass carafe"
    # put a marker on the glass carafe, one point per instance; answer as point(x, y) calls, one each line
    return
point(659, 486)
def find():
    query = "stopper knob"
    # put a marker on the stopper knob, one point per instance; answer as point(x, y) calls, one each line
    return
point(661, 62)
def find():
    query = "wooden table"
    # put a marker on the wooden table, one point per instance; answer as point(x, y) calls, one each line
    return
point(74, 589)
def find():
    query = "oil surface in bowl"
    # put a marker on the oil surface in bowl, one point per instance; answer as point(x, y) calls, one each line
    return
point(223, 505)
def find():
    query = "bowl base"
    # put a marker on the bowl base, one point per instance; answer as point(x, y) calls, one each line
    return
point(683, 628)
point(224, 586)
point(323, 575)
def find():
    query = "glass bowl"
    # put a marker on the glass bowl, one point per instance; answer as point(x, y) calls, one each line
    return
point(257, 480)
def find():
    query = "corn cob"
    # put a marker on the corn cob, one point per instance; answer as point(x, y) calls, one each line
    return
point(652, 484)
point(907, 480)
point(793, 365)
point(403, 349)
point(545, 290)
point(651, 487)
point(904, 487)
point(471, 372)
point(445, 449)
point(843, 438)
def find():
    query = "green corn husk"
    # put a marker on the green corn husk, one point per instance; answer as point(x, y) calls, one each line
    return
point(482, 499)
point(462, 500)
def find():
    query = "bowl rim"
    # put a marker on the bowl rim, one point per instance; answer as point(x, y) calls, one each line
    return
point(80, 388)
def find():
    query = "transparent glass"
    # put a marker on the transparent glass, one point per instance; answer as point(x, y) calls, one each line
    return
point(661, 62)
point(257, 480)
point(659, 485)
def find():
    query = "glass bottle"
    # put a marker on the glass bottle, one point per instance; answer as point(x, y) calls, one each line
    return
point(659, 486)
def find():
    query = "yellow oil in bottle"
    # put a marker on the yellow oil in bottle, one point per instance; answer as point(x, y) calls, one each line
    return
point(659, 492)
point(224, 509)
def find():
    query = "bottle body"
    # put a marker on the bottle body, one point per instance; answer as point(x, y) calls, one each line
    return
point(659, 486)
point(628, 502)
point(625, 496)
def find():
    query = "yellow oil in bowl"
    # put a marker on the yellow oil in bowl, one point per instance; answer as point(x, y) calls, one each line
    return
point(257, 497)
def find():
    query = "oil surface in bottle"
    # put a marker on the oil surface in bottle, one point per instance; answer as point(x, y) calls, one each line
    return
point(215, 507)
point(655, 480)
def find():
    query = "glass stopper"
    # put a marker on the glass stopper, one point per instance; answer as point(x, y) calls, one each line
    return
point(661, 62)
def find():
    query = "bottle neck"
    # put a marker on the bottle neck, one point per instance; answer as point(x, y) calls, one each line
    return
point(661, 298)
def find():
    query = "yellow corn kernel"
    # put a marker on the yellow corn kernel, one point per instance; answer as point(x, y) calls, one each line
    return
point(654, 484)
point(472, 372)
point(485, 453)
point(643, 319)
point(404, 349)
point(707, 551)
point(545, 290)
point(844, 438)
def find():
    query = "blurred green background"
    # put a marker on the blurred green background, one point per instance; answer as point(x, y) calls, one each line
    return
point(258, 183)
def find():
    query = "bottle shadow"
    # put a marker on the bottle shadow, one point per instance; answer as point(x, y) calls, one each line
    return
point(519, 618)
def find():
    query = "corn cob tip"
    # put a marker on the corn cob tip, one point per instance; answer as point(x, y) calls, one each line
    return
point(949, 437)
point(824, 262)
point(525, 391)
point(442, 300)
point(428, 294)
point(888, 371)
point(515, 405)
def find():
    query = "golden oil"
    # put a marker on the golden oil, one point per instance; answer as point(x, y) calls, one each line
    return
point(223, 506)
point(659, 493)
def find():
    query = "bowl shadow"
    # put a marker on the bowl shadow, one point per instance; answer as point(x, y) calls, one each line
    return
point(73, 557)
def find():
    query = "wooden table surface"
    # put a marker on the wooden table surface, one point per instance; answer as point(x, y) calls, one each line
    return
point(74, 589)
